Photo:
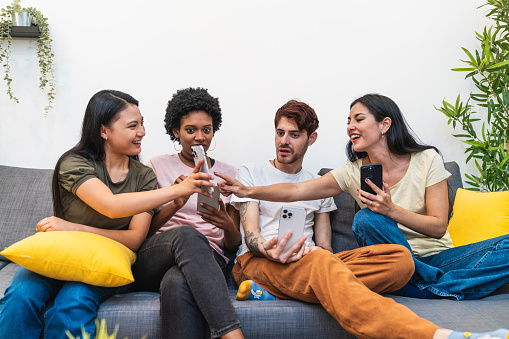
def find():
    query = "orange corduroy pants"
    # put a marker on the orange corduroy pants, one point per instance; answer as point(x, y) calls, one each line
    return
point(347, 285)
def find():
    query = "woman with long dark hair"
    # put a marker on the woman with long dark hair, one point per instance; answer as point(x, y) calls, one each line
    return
point(411, 208)
point(99, 186)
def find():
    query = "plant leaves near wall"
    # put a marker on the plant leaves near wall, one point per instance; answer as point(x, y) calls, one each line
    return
point(44, 50)
point(489, 71)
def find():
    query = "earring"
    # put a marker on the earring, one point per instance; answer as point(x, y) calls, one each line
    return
point(382, 134)
point(105, 138)
point(211, 149)
point(175, 147)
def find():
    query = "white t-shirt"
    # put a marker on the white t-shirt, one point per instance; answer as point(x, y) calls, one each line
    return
point(169, 167)
point(263, 174)
point(426, 169)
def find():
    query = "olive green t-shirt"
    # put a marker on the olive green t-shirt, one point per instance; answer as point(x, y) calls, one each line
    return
point(75, 170)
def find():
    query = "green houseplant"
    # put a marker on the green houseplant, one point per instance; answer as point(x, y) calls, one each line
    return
point(487, 136)
point(44, 50)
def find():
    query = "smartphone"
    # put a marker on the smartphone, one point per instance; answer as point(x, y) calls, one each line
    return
point(199, 154)
point(212, 202)
point(291, 219)
point(372, 172)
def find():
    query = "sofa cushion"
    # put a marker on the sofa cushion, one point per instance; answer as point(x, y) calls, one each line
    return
point(25, 198)
point(75, 256)
point(479, 216)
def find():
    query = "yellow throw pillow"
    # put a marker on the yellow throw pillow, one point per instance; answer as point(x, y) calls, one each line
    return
point(478, 216)
point(75, 256)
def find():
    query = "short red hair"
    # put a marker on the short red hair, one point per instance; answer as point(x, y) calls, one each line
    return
point(300, 112)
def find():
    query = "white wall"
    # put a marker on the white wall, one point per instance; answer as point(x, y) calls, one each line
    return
point(254, 56)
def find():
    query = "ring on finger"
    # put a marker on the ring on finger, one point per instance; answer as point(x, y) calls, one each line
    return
point(371, 202)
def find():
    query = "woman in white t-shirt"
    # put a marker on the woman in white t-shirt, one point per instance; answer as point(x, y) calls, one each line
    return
point(184, 257)
point(411, 209)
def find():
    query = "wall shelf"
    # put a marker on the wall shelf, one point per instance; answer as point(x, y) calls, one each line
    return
point(25, 32)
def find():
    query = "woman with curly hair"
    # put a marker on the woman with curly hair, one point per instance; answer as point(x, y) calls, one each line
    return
point(184, 257)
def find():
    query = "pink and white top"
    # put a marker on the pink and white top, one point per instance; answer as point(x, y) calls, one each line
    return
point(169, 167)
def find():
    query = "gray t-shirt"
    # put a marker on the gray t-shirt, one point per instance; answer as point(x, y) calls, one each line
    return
point(75, 170)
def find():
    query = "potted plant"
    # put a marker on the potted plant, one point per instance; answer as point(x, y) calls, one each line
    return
point(488, 68)
point(44, 49)
point(16, 12)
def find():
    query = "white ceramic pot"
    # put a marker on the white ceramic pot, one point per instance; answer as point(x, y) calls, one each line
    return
point(25, 19)
point(15, 18)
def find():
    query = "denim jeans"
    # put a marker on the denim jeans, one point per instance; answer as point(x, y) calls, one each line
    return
point(181, 265)
point(68, 305)
point(465, 272)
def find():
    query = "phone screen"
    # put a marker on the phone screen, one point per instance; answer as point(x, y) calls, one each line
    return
point(374, 173)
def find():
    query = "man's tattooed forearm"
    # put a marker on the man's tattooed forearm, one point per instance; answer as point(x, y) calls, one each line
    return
point(252, 243)
point(243, 210)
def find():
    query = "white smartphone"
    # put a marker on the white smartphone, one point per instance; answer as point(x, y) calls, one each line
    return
point(291, 219)
point(199, 154)
point(212, 202)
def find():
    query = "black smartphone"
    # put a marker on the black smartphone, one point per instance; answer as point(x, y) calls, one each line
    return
point(372, 172)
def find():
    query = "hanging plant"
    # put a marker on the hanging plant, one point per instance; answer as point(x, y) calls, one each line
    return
point(44, 50)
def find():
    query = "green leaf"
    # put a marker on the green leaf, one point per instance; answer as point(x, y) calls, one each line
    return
point(473, 143)
point(500, 64)
point(463, 69)
point(469, 55)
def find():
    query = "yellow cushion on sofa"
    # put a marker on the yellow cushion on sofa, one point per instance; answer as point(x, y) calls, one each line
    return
point(75, 256)
point(479, 216)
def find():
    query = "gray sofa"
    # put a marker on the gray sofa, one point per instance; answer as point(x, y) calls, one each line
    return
point(25, 199)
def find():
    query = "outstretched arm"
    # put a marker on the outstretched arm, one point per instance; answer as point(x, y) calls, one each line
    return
point(319, 188)
point(98, 196)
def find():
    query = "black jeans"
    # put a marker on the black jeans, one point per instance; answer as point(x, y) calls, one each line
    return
point(181, 265)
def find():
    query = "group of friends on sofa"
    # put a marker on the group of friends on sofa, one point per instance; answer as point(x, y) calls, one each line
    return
point(100, 186)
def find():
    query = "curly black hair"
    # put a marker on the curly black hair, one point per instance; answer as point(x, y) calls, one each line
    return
point(187, 100)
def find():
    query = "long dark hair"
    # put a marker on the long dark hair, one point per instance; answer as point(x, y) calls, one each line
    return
point(102, 109)
point(400, 137)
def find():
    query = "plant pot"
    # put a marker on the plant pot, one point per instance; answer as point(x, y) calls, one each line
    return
point(16, 18)
point(25, 19)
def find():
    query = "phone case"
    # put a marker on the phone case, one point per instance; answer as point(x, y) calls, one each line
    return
point(374, 173)
point(291, 219)
point(213, 202)
point(199, 154)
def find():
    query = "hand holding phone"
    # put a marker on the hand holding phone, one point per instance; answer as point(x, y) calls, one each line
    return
point(292, 219)
point(212, 202)
point(199, 154)
point(373, 172)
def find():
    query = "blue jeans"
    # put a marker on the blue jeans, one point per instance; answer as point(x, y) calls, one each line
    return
point(465, 272)
point(34, 303)
point(181, 265)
